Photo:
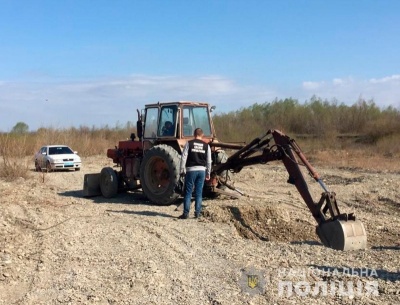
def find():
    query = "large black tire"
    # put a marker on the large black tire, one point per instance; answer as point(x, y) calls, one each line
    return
point(159, 174)
point(108, 182)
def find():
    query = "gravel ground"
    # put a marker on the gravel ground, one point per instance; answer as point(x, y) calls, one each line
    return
point(57, 247)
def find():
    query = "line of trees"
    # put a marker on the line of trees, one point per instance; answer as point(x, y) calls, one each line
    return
point(315, 117)
point(320, 122)
point(323, 120)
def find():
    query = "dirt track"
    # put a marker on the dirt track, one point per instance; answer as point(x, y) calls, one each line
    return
point(59, 248)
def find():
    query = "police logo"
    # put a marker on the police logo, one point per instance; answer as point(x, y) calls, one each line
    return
point(252, 281)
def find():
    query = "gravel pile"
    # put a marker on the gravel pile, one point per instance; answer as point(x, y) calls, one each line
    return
point(57, 247)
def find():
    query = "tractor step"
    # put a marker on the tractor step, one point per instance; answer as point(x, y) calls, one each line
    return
point(343, 234)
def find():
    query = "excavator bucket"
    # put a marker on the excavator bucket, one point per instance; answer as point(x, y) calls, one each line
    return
point(343, 234)
point(91, 185)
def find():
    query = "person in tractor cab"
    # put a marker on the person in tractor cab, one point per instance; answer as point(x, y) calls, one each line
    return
point(168, 129)
point(196, 167)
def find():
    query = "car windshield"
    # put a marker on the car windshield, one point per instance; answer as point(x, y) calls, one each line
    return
point(60, 150)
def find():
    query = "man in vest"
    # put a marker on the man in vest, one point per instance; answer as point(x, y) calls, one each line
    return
point(196, 166)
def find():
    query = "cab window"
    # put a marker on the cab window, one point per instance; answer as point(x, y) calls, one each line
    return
point(167, 126)
point(150, 127)
point(196, 117)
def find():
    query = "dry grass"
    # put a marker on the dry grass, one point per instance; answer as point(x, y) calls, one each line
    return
point(357, 158)
point(14, 148)
point(86, 141)
point(13, 161)
point(384, 155)
point(328, 150)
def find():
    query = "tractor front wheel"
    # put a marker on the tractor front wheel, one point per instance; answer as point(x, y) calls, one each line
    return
point(108, 182)
point(159, 174)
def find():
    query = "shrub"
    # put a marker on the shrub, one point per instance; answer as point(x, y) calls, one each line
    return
point(12, 150)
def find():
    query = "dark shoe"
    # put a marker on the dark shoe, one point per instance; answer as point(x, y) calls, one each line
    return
point(183, 216)
point(196, 215)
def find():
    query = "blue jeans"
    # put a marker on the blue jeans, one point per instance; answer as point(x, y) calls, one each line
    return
point(196, 179)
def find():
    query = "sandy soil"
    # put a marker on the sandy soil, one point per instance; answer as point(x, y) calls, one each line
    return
point(57, 247)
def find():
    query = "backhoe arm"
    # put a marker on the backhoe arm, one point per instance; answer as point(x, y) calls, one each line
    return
point(336, 230)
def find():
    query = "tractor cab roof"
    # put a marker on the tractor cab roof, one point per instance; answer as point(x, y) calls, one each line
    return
point(177, 103)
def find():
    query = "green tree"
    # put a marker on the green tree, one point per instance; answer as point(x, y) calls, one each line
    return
point(20, 128)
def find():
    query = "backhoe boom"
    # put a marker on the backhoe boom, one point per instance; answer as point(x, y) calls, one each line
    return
point(336, 230)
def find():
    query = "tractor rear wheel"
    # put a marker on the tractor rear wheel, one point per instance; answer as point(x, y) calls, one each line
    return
point(108, 182)
point(159, 174)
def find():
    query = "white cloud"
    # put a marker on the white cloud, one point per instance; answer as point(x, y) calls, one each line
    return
point(387, 79)
point(384, 91)
point(337, 81)
point(108, 101)
point(312, 85)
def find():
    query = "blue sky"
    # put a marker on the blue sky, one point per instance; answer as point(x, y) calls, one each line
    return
point(72, 63)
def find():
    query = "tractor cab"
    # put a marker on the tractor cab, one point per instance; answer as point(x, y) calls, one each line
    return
point(166, 122)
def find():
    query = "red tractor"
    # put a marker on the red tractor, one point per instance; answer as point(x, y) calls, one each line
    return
point(150, 160)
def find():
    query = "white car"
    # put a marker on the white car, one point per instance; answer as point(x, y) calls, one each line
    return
point(56, 157)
